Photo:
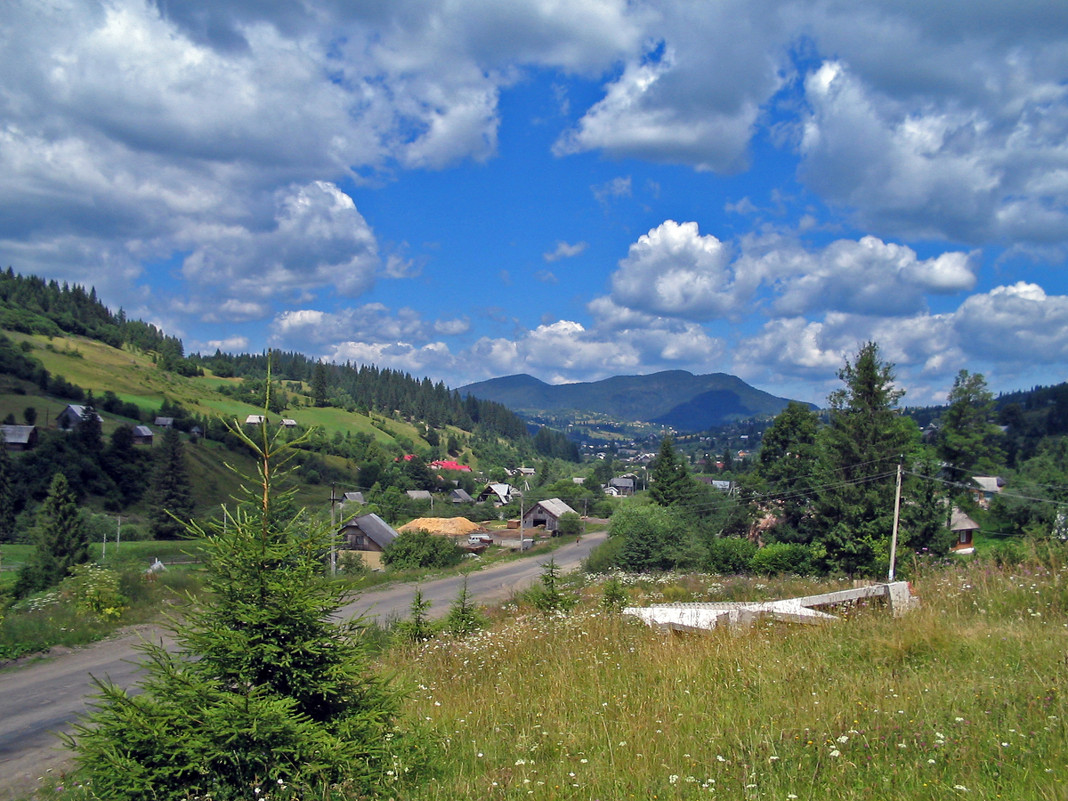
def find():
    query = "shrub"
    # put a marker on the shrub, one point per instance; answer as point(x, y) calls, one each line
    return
point(728, 555)
point(569, 524)
point(604, 557)
point(415, 549)
point(782, 557)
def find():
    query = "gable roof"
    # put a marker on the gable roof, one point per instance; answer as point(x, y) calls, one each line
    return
point(255, 419)
point(959, 521)
point(460, 495)
point(374, 528)
point(554, 506)
point(420, 495)
point(80, 411)
point(353, 497)
point(142, 431)
point(502, 491)
point(17, 435)
point(164, 422)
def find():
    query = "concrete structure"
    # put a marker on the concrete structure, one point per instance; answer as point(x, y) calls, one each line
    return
point(706, 616)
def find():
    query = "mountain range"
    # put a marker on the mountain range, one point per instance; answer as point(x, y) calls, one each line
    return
point(675, 398)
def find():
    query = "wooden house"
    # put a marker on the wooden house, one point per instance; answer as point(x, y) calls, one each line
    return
point(369, 534)
point(500, 494)
point(164, 422)
point(142, 435)
point(73, 416)
point(19, 438)
point(459, 495)
point(256, 420)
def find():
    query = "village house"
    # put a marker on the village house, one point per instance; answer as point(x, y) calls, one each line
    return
point(74, 415)
point(142, 435)
point(352, 497)
point(546, 514)
point(459, 495)
point(623, 486)
point(164, 422)
point(256, 420)
point(19, 438)
point(501, 494)
point(989, 486)
point(370, 535)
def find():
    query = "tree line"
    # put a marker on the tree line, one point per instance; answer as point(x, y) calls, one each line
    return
point(822, 492)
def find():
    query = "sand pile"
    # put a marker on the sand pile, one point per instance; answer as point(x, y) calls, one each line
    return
point(447, 526)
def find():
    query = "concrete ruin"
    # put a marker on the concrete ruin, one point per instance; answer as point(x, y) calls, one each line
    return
point(742, 614)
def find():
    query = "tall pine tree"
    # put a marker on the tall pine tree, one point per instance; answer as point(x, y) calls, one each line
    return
point(860, 449)
point(170, 497)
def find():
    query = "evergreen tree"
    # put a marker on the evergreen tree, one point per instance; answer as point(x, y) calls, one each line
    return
point(61, 538)
point(967, 438)
point(464, 615)
point(671, 482)
point(266, 693)
point(7, 498)
point(170, 498)
point(787, 463)
point(319, 384)
point(860, 449)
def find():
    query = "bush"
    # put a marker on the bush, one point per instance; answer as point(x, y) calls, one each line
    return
point(782, 557)
point(569, 524)
point(605, 557)
point(727, 555)
point(415, 549)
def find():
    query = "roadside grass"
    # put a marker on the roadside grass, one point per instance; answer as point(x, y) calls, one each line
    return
point(965, 697)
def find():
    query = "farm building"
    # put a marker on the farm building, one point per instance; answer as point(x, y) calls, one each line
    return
point(546, 513)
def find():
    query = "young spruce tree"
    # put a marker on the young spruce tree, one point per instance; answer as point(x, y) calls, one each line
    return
point(265, 690)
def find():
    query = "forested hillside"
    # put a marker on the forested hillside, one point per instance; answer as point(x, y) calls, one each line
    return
point(373, 429)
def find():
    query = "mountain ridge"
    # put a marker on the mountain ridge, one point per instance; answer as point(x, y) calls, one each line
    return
point(674, 398)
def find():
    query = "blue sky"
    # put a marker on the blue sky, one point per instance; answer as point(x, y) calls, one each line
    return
point(573, 190)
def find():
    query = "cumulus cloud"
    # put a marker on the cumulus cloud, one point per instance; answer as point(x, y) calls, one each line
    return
point(318, 239)
point(674, 271)
point(371, 322)
point(1010, 321)
point(866, 276)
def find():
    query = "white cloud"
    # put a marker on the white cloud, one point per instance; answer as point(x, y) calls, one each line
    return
point(618, 187)
point(565, 250)
point(371, 323)
point(1014, 323)
point(675, 272)
point(318, 239)
point(868, 276)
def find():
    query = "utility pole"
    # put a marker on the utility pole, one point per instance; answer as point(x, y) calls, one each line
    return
point(897, 518)
point(333, 531)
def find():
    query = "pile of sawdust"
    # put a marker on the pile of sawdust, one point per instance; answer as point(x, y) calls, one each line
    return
point(447, 526)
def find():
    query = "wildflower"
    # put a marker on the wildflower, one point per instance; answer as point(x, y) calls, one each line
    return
point(836, 753)
point(960, 787)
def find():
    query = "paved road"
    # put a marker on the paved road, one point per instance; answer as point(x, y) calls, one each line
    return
point(47, 696)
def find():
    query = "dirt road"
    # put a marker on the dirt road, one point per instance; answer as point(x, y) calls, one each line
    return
point(46, 696)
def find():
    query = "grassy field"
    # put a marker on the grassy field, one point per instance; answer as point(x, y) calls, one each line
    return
point(965, 698)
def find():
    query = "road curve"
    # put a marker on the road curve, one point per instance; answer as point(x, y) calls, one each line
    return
point(46, 696)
